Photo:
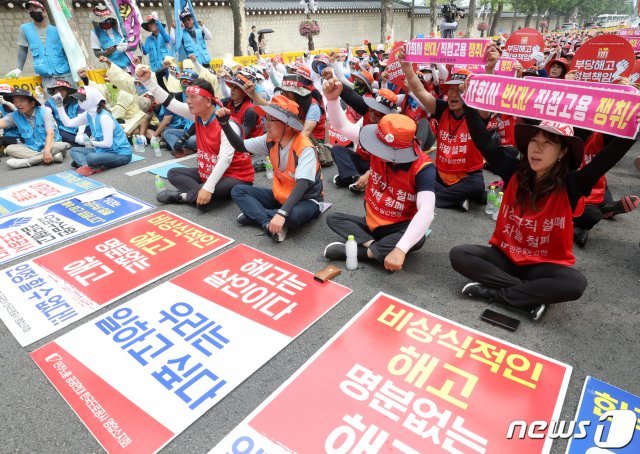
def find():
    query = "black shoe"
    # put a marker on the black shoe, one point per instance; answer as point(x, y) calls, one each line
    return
point(538, 311)
point(335, 251)
point(464, 205)
point(344, 182)
point(169, 196)
point(479, 292)
point(259, 166)
point(243, 220)
point(74, 164)
point(580, 236)
point(355, 189)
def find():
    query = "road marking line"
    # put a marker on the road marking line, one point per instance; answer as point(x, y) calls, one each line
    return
point(160, 164)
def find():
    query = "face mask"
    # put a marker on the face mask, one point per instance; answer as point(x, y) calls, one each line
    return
point(427, 77)
point(82, 105)
point(37, 16)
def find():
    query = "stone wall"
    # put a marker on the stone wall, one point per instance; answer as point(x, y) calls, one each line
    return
point(336, 30)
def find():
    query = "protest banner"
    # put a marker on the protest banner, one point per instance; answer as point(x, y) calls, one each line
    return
point(629, 32)
point(21, 196)
point(504, 67)
point(634, 41)
point(38, 228)
point(635, 73)
point(398, 378)
point(457, 51)
point(394, 69)
point(592, 85)
point(182, 346)
point(597, 399)
point(43, 295)
point(610, 112)
point(522, 44)
point(604, 58)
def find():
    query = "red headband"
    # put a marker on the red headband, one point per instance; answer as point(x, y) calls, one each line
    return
point(195, 90)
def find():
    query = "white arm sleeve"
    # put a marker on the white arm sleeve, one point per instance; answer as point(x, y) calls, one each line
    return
point(443, 72)
point(426, 202)
point(71, 122)
point(338, 71)
point(175, 106)
point(225, 90)
point(341, 123)
point(205, 32)
point(225, 156)
point(108, 125)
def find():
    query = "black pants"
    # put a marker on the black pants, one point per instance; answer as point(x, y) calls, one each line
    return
point(546, 283)
point(187, 180)
point(348, 162)
point(384, 238)
point(592, 214)
point(70, 138)
point(470, 187)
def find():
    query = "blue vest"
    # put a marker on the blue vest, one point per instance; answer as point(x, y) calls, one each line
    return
point(197, 47)
point(177, 122)
point(9, 132)
point(49, 60)
point(33, 136)
point(119, 58)
point(72, 112)
point(120, 143)
point(156, 48)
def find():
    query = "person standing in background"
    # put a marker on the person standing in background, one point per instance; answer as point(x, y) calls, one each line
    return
point(106, 40)
point(262, 44)
point(253, 44)
point(158, 44)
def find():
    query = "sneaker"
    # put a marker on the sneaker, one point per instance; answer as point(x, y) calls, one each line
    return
point(16, 163)
point(625, 205)
point(164, 144)
point(169, 196)
point(243, 220)
point(478, 291)
point(58, 157)
point(464, 206)
point(537, 312)
point(355, 189)
point(335, 251)
point(85, 171)
point(74, 164)
point(259, 166)
point(279, 237)
point(344, 182)
point(580, 236)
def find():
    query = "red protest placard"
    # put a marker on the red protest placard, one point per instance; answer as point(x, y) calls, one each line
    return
point(522, 43)
point(394, 70)
point(604, 58)
point(109, 265)
point(400, 379)
point(263, 288)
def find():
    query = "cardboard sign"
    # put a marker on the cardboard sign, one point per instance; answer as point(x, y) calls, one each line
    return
point(604, 58)
point(394, 69)
point(458, 51)
point(598, 398)
point(48, 189)
point(522, 43)
point(43, 295)
point(610, 112)
point(397, 378)
point(182, 346)
point(41, 227)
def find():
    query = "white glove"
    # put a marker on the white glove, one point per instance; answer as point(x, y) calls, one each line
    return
point(2, 100)
point(621, 67)
point(57, 99)
point(538, 57)
point(79, 138)
point(122, 47)
point(155, 15)
point(39, 94)
point(13, 74)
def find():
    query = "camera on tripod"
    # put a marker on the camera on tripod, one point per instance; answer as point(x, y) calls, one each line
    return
point(451, 12)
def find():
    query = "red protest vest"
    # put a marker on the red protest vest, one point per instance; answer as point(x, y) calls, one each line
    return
point(592, 147)
point(237, 115)
point(532, 237)
point(505, 124)
point(390, 197)
point(456, 151)
point(416, 114)
point(208, 138)
point(284, 182)
point(319, 130)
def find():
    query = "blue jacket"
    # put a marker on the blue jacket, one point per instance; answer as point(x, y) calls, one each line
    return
point(156, 47)
point(33, 136)
point(49, 60)
point(72, 112)
point(177, 122)
point(119, 58)
point(120, 143)
point(197, 47)
point(9, 132)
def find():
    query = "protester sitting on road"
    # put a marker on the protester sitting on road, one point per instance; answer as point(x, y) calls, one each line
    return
point(165, 121)
point(220, 167)
point(241, 105)
point(297, 189)
point(109, 145)
point(400, 193)
point(529, 263)
point(74, 136)
point(182, 142)
point(39, 136)
point(9, 135)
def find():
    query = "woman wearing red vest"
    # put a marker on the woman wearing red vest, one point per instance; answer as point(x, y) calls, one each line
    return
point(297, 184)
point(529, 262)
point(220, 167)
point(241, 107)
point(399, 196)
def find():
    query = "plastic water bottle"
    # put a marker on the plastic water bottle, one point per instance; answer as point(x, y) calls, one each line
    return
point(352, 253)
point(496, 205)
point(491, 200)
point(138, 144)
point(160, 186)
point(155, 146)
point(268, 168)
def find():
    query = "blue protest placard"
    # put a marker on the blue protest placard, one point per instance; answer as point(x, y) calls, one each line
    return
point(618, 433)
point(22, 196)
point(41, 227)
point(164, 170)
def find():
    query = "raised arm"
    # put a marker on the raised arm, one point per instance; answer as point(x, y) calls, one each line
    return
point(144, 75)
